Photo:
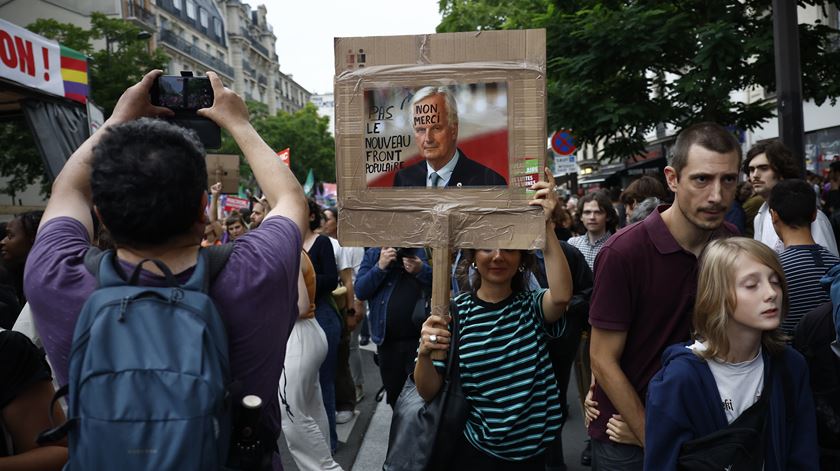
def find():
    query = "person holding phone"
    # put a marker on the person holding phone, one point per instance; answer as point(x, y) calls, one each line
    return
point(146, 180)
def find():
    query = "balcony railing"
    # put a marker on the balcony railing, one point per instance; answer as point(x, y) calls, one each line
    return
point(255, 43)
point(144, 17)
point(169, 37)
point(244, 33)
point(246, 66)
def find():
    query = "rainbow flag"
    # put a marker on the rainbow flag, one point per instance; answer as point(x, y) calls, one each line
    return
point(75, 74)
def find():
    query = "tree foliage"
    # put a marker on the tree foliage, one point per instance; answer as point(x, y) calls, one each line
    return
point(19, 159)
point(304, 132)
point(110, 72)
point(121, 64)
point(635, 64)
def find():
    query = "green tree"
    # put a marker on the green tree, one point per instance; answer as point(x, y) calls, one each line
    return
point(304, 132)
point(121, 64)
point(110, 72)
point(67, 34)
point(19, 159)
point(635, 64)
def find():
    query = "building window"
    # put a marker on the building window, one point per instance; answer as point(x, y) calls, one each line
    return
point(217, 27)
point(178, 4)
point(202, 15)
point(191, 9)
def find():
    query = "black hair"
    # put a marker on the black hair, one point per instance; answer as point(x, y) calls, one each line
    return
point(316, 210)
point(780, 158)
point(148, 180)
point(794, 201)
point(519, 282)
point(29, 221)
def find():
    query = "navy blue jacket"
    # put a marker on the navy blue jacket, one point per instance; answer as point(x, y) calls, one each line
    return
point(683, 403)
point(375, 286)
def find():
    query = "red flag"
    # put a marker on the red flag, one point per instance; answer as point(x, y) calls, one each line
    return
point(284, 156)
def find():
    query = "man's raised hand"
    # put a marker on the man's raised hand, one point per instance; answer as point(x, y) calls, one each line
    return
point(228, 110)
point(135, 103)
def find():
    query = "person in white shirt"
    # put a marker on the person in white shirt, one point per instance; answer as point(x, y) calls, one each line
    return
point(768, 163)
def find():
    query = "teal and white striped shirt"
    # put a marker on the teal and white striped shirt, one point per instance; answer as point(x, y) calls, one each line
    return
point(507, 376)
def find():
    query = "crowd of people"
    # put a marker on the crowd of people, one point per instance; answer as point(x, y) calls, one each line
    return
point(687, 306)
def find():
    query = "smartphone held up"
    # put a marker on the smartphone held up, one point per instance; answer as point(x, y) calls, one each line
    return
point(185, 94)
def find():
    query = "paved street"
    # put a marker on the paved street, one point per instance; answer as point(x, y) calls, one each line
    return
point(364, 440)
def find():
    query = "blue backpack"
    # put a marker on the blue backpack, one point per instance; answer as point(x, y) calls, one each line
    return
point(149, 372)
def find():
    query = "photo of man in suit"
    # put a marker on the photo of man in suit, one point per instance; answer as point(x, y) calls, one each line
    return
point(434, 117)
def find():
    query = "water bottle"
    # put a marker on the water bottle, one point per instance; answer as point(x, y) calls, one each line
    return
point(247, 446)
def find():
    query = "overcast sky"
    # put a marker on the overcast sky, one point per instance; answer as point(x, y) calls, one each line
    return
point(305, 30)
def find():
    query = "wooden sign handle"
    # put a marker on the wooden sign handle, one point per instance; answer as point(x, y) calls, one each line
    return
point(441, 287)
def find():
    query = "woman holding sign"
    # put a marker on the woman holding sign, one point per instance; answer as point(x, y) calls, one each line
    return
point(505, 370)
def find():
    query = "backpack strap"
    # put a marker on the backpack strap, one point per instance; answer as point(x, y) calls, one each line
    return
point(93, 257)
point(57, 432)
point(217, 257)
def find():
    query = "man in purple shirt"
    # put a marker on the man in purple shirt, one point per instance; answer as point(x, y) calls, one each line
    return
point(146, 180)
point(645, 284)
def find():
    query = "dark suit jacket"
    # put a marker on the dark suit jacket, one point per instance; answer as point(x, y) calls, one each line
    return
point(467, 172)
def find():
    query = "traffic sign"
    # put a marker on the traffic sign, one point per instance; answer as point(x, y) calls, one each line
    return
point(562, 142)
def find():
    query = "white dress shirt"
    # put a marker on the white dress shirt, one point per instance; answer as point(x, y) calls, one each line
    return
point(445, 173)
point(820, 230)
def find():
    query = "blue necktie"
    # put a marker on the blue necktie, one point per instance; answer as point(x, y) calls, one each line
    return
point(435, 179)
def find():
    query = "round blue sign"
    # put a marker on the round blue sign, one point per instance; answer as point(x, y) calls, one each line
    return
point(563, 143)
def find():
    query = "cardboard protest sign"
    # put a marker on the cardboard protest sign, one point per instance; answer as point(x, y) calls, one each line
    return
point(37, 62)
point(223, 168)
point(438, 138)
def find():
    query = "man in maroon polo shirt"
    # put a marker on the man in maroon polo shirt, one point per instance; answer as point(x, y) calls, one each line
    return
point(645, 284)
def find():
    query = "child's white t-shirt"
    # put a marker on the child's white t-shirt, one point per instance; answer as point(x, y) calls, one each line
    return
point(739, 384)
